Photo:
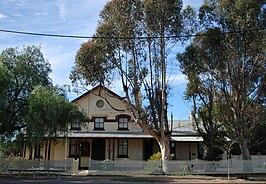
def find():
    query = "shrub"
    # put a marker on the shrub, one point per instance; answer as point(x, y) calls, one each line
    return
point(156, 156)
point(19, 163)
point(154, 164)
point(107, 165)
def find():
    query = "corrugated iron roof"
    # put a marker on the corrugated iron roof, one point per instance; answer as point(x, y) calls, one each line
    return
point(136, 135)
point(110, 134)
point(187, 138)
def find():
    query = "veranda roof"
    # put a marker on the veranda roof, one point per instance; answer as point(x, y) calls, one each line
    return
point(187, 139)
point(109, 135)
point(136, 135)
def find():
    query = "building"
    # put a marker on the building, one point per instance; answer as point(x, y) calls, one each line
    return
point(112, 134)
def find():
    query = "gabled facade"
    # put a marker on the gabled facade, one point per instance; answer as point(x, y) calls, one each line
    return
point(111, 133)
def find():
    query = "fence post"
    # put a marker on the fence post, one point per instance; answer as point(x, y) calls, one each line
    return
point(89, 166)
point(228, 169)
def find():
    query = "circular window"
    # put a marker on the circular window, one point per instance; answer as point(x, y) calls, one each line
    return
point(100, 104)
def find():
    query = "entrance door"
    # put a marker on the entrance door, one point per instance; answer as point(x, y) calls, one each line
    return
point(148, 149)
point(98, 149)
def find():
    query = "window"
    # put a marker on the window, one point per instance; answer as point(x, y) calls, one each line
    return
point(122, 148)
point(98, 123)
point(123, 123)
point(74, 148)
point(172, 150)
point(100, 104)
point(75, 126)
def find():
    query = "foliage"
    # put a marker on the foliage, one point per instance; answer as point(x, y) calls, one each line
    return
point(49, 114)
point(10, 147)
point(20, 71)
point(258, 139)
point(201, 91)
point(14, 162)
point(107, 165)
point(28, 102)
point(154, 164)
point(227, 72)
point(19, 163)
point(156, 156)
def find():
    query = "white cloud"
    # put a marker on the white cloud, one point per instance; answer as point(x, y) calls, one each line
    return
point(177, 79)
point(18, 15)
point(3, 17)
point(40, 13)
point(62, 9)
point(20, 3)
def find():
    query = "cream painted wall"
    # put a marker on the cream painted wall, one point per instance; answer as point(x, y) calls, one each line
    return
point(194, 151)
point(52, 152)
point(135, 149)
point(58, 149)
point(88, 105)
point(182, 151)
point(113, 126)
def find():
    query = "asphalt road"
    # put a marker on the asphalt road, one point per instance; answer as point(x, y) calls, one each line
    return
point(119, 180)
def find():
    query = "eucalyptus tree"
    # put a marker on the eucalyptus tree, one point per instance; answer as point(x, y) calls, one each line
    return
point(232, 43)
point(132, 43)
point(201, 91)
point(21, 70)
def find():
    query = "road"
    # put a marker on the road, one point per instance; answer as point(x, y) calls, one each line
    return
point(120, 180)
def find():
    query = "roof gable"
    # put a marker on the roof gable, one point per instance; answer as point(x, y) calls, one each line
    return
point(98, 87)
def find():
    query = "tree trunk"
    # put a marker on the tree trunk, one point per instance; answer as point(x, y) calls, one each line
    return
point(165, 150)
point(247, 167)
point(244, 149)
point(25, 149)
point(30, 154)
point(205, 151)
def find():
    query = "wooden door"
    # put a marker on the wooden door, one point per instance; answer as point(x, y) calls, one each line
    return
point(98, 149)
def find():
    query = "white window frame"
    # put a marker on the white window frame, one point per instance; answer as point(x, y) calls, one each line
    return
point(99, 123)
point(123, 148)
point(122, 123)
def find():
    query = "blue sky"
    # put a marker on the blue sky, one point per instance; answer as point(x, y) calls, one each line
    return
point(69, 17)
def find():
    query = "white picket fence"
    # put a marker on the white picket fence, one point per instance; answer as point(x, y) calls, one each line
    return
point(23, 164)
point(126, 166)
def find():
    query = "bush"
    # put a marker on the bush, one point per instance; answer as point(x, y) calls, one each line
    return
point(20, 163)
point(107, 165)
point(156, 156)
point(154, 164)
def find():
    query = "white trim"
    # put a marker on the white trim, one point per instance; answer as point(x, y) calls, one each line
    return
point(188, 139)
